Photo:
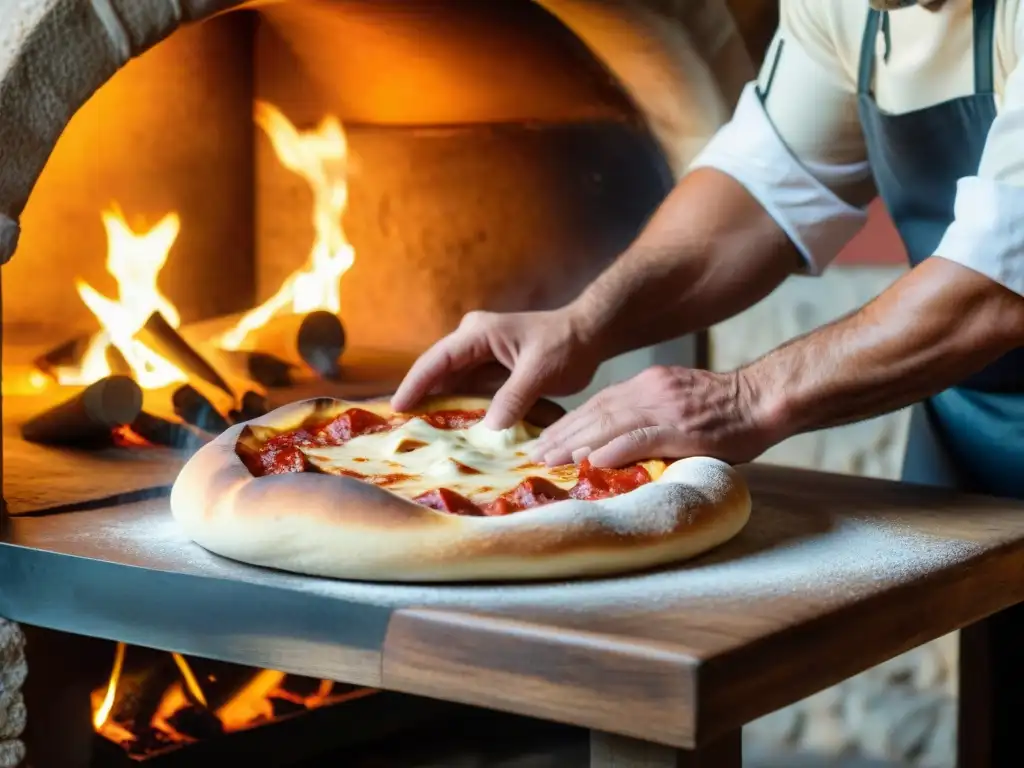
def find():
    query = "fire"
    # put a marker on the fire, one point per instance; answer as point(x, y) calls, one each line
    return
point(103, 711)
point(190, 679)
point(134, 259)
point(320, 156)
point(182, 712)
point(252, 703)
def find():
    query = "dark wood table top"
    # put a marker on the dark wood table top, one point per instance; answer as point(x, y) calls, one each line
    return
point(832, 575)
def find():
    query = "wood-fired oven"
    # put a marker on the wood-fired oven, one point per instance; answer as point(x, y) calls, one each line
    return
point(209, 207)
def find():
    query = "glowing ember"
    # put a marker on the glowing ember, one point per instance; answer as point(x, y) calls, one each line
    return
point(319, 156)
point(134, 259)
point(181, 712)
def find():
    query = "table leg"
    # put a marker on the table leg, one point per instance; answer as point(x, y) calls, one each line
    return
point(991, 682)
point(608, 750)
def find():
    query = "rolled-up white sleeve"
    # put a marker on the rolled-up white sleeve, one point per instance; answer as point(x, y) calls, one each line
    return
point(987, 233)
point(817, 221)
point(794, 141)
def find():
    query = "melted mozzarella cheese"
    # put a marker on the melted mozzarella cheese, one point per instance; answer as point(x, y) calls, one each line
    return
point(477, 462)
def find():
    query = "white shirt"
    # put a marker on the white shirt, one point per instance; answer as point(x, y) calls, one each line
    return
point(802, 154)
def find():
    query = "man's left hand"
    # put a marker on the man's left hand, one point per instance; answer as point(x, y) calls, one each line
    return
point(664, 412)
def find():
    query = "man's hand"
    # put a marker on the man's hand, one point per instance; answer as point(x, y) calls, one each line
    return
point(522, 356)
point(709, 252)
point(668, 412)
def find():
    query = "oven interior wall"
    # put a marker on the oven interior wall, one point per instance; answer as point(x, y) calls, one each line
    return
point(494, 163)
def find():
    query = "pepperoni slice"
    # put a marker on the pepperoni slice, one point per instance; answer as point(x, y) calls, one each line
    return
point(351, 423)
point(532, 492)
point(599, 483)
point(453, 419)
point(273, 460)
point(447, 500)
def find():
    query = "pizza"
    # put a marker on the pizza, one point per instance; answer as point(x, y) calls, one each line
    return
point(353, 490)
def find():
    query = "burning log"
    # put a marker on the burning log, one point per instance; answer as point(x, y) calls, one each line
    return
point(118, 365)
point(162, 338)
point(316, 338)
point(89, 417)
point(254, 405)
point(320, 341)
point(222, 681)
point(69, 353)
point(193, 408)
point(261, 367)
point(196, 722)
point(137, 688)
point(157, 430)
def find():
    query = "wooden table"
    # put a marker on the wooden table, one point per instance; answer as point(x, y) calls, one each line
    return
point(833, 575)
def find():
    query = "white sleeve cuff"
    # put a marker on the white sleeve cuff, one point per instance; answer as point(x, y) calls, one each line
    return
point(749, 149)
point(987, 233)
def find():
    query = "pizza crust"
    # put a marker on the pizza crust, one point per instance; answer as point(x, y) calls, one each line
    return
point(340, 527)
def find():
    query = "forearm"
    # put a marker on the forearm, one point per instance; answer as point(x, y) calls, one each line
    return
point(709, 252)
point(931, 329)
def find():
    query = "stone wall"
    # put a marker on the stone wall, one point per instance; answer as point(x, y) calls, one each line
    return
point(13, 671)
point(905, 709)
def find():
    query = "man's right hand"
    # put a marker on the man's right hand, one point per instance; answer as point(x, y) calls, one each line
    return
point(517, 356)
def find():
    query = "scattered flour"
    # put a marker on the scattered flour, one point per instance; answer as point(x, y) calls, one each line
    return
point(778, 554)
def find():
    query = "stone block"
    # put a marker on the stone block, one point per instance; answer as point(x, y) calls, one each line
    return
point(13, 671)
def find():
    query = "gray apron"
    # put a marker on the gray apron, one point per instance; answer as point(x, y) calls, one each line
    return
point(971, 436)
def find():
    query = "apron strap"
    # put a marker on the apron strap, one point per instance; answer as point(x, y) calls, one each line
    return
point(866, 68)
point(984, 12)
point(984, 38)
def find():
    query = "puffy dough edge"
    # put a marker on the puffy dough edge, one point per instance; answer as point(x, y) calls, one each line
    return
point(339, 527)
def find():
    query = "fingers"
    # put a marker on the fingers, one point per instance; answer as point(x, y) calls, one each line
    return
point(453, 354)
point(516, 397)
point(637, 445)
point(572, 438)
point(558, 435)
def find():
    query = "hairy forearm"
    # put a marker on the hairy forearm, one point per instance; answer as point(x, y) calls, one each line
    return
point(931, 329)
point(709, 252)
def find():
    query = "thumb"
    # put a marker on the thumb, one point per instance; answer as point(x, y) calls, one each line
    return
point(637, 445)
point(516, 397)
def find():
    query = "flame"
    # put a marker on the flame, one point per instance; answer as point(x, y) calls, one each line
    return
point(319, 156)
point(190, 679)
point(103, 710)
point(173, 700)
point(251, 706)
point(252, 702)
point(134, 259)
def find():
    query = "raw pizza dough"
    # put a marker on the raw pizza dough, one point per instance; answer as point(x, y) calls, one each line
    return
point(341, 527)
